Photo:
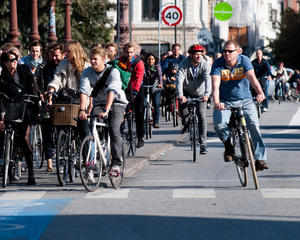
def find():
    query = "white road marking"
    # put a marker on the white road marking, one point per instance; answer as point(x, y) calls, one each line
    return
point(14, 195)
point(296, 119)
point(280, 193)
point(194, 193)
point(108, 193)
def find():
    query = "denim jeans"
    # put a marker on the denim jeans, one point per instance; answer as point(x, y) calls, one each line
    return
point(221, 119)
point(155, 102)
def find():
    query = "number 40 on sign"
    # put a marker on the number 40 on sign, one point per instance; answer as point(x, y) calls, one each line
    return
point(172, 15)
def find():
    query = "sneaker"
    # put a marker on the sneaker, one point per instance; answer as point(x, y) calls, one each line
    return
point(185, 130)
point(114, 171)
point(90, 177)
point(264, 110)
point(61, 169)
point(23, 166)
point(260, 165)
point(203, 150)
point(140, 143)
point(228, 152)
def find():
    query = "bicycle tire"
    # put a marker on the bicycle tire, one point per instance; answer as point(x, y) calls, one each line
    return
point(117, 182)
point(37, 146)
point(133, 137)
point(62, 158)
point(6, 159)
point(90, 171)
point(147, 118)
point(251, 157)
point(150, 121)
point(177, 113)
point(73, 156)
point(258, 107)
point(194, 139)
point(174, 111)
point(241, 162)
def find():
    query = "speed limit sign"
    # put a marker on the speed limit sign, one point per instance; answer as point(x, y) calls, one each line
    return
point(172, 15)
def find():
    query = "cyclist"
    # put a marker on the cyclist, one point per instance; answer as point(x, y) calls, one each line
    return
point(110, 101)
point(263, 73)
point(15, 81)
point(175, 57)
point(282, 76)
point(169, 83)
point(231, 75)
point(152, 76)
point(135, 65)
point(193, 80)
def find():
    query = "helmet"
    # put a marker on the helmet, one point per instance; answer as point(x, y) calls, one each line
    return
point(174, 66)
point(195, 48)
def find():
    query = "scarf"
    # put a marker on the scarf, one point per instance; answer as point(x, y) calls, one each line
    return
point(29, 61)
point(151, 68)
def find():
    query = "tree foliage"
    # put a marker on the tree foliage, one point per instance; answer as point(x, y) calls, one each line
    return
point(89, 22)
point(286, 47)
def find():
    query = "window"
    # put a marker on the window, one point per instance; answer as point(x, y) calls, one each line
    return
point(150, 10)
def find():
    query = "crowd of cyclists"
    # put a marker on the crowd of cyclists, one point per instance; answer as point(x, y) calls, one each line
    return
point(65, 69)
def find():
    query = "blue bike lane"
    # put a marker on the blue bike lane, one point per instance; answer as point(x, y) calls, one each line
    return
point(28, 218)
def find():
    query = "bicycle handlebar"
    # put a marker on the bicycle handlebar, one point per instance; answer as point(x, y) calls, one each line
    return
point(194, 99)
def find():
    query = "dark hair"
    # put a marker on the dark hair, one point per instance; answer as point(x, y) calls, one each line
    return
point(144, 51)
point(175, 45)
point(35, 44)
point(152, 54)
point(5, 57)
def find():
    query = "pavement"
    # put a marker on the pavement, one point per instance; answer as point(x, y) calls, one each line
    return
point(163, 139)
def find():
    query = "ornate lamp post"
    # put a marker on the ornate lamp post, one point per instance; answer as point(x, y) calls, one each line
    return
point(34, 34)
point(67, 20)
point(52, 26)
point(13, 30)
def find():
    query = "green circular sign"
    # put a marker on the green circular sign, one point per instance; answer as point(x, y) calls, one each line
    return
point(223, 11)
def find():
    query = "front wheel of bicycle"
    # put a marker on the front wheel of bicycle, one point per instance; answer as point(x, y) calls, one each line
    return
point(90, 164)
point(62, 157)
point(117, 181)
point(37, 146)
point(6, 160)
point(194, 139)
point(251, 157)
point(240, 158)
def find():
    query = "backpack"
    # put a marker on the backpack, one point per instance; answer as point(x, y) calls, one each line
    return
point(125, 75)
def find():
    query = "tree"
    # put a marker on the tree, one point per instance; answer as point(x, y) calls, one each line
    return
point(89, 22)
point(286, 47)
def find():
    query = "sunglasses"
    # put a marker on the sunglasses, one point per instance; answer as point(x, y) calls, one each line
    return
point(230, 51)
point(13, 59)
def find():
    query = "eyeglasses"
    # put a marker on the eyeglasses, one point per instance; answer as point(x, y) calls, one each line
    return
point(13, 59)
point(230, 51)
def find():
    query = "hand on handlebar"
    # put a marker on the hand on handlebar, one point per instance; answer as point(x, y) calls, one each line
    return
point(260, 97)
point(102, 115)
point(220, 106)
point(182, 99)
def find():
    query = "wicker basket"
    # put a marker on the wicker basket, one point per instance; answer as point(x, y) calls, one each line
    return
point(64, 114)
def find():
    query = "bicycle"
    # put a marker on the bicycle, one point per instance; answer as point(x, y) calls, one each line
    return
point(241, 141)
point(171, 106)
point(258, 106)
point(11, 152)
point(128, 130)
point(277, 94)
point(37, 144)
point(94, 158)
point(148, 118)
point(193, 126)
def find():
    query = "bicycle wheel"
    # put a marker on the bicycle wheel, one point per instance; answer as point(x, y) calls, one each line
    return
point(90, 164)
point(258, 107)
point(174, 112)
point(150, 119)
point(74, 153)
point(194, 139)
point(37, 146)
point(249, 150)
point(117, 181)
point(6, 159)
point(132, 134)
point(147, 123)
point(240, 159)
point(62, 157)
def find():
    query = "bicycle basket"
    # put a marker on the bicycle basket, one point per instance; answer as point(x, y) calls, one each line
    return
point(14, 111)
point(64, 114)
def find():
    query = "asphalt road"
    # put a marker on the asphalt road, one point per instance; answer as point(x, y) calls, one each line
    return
point(167, 196)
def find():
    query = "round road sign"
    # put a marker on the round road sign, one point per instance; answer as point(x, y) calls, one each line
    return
point(172, 15)
point(223, 11)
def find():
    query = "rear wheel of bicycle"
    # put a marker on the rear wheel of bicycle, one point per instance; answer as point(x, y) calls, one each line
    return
point(74, 153)
point(117, 181)
point(258, 107)
point(37, 146)
point(133, 137)
point(6, 160)
point(251, 157)
point(62, 157)
point(174, 112)
point(147, 122)
point(90, 164)
point(240, 159)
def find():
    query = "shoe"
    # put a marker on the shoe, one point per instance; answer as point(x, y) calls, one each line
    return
point(208, 106)
point(61, 169)
point(228, 151)
point(16, 177)
point(114, 171)
point(91, 178)
point(156, 126)
point(264, 110)
point(140, 143)
point(23, 166)
point(203, 150)
point(260, 165)
point(31, 180)
point(185, 129)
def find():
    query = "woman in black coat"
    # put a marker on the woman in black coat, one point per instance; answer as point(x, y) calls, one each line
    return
point(16, 80)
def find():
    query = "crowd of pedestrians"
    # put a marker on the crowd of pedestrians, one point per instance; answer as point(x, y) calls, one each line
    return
point(225, 79)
